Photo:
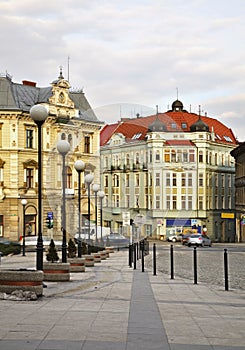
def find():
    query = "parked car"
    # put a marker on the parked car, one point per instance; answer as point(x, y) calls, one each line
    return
point(8, 247)
point(31, 243)
point(175, 238)
point(185, 238)
point(198, 240)
point(116, 240)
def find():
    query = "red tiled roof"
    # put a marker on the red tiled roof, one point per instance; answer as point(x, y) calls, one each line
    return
point(179, 143)
point(106, 133)
point(174, 121)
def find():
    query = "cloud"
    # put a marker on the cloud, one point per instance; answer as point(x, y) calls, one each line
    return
point(133, 52)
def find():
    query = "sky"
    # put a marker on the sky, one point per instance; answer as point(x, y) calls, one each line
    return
point(130, 56)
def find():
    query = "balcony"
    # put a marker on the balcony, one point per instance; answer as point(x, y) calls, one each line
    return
point(116, 211)
point(69, 191)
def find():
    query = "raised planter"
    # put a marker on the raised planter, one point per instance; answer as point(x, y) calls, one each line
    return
point(56, 272)
point(77, 264)
point(97, 257)
point(103, 255)
point(110, 249)
point(23, 279)
point(107, 253)
point(89, 260)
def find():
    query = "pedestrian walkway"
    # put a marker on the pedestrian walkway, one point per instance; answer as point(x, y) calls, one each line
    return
point(114, 307)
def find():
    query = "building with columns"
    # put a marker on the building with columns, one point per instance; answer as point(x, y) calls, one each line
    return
point(169, 172)
point(70, 117)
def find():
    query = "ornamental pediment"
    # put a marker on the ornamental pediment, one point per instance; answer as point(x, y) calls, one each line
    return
point(30, 163)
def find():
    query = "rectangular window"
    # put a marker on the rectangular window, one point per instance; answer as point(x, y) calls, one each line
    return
point(168, 180)
point(127, 180)
point(189, 180)
point(174, 202)
point(137, 180)
point(185, 156)
point(183, 203)
point(200, 180)
point(116, 200)
point(200, 203)
point(191, 156)
point(68, 177)
point(29, 138)
point(173, 156)
point(157, 202)
point(106, 181)
point(174, 180)
point(157, 156)
point(168, 202)
point(127, 201)
point(157, 179)
point(86, 144)
point(29, 177)
point(189, 202)
point(167, 156)
point(183, 179)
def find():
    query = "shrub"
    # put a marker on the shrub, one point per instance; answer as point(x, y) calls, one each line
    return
point(72, 250)
point(52, 254)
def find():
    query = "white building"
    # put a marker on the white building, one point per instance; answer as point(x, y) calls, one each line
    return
point(172, 172)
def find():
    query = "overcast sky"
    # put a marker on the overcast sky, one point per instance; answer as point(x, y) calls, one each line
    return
point(131, 55)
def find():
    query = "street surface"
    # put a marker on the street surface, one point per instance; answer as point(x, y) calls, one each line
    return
point(210, 263)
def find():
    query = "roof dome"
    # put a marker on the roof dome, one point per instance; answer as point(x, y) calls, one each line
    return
point(157, 125)
point(177, 106)
point(199, 126)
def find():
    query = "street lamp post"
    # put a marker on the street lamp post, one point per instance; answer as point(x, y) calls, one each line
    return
point(79, 166)
point(95, 190)
point(24, 202)
point(63, 147)
point(39, 114)
point(101, 195)
point(89, 179)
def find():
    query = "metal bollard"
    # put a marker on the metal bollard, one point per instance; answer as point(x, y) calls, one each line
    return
point(154, 260)
point(226, 269)
point(130, 255)
point(142, 250)
point(135, 260)
point(195, 264)
point(172, 261)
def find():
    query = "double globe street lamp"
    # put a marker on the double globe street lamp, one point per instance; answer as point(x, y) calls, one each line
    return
point(39, 114)
point(101, 195)
point(79, 166)
point(63, 148)
point(96, 188)
point(88, 180)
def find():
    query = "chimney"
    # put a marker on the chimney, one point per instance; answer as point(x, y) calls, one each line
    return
point(29, 83)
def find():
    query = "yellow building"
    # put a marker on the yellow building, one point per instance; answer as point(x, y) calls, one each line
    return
point(70, 117)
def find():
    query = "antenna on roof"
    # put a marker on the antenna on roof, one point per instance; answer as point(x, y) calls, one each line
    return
point(68, 68)
point(190, 108)
point(199, 111)
point(156, 109)
point(177, 93)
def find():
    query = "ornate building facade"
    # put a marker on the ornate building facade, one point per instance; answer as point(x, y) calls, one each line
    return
point(239, 154)
point(70, 117)
point(170, 172)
